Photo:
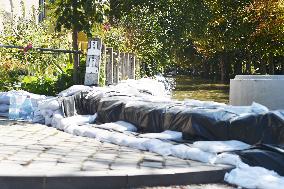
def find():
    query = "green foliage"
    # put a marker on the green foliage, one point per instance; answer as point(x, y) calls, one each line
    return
point(79, 15)
point(226, 37)
point(32, 70)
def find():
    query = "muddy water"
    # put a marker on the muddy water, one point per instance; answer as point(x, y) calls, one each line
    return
point(200, 89)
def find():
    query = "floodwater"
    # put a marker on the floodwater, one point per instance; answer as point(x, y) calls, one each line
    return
point(200, 89)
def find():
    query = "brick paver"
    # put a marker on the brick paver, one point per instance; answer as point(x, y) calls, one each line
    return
point(36, 149)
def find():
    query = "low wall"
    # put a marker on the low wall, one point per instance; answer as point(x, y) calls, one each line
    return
point(267, 90)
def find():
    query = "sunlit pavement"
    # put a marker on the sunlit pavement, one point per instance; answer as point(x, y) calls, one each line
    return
point(37, 156)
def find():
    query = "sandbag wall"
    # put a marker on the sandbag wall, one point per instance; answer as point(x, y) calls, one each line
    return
point(196, 123)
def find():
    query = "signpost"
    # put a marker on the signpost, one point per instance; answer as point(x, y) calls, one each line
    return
point(93, 62)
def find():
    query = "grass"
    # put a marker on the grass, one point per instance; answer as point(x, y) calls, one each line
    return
point(200, 89)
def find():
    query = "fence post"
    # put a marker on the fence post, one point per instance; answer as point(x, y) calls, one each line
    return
point(137, 68)
point(102, 74)
point(93, 62)
point(122, 65)
point(116, 70)
point(109, 66)
point(131, 66)
point(126, 67)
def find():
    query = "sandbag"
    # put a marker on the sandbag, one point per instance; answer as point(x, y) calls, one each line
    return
point(4, 108)
point(51, 104)
point(4, 98)
point(74, 89)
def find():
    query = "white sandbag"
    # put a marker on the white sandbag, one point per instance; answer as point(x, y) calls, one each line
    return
point(133, 142)
point(91, 132)
point(254, 177)
point(51, 104)
point(4, 108)
point(46, 112)
point(74, 89)
point(220, 146)
point(69, 122)
point(158, 146)
point(142, 86)
point(70, 128)
point(186, 152)
point(56, 119)
point(227, 159)
point(118, 126)
point(38, 117)
point(4, 98)
point(47, 120)
point(165, 135)
point(103, 135)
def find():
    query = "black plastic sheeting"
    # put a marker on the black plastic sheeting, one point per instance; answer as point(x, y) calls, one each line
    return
point(264, 130)
point(196, 123)
point(268, 156)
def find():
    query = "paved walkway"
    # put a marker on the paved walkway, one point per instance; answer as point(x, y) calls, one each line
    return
point(37, 156)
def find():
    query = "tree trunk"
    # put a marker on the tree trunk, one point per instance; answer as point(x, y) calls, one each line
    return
point(282, 68)
point(224, 67)
point(76, 56)
point(248, 64)
point(271, 66)
point(262, 66)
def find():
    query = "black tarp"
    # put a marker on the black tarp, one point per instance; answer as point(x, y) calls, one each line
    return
point(263, 155)
point(194, 122)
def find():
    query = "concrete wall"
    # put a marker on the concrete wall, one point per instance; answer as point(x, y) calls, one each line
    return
point(266, 90)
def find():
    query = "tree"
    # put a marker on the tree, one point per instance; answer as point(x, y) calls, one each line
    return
point(78, 15)
point(227, 37)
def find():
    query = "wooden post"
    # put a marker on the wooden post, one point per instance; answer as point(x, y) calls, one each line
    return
point(137, 68)
point(109, 66)
point(122, 66)
point(102, 75)
point(131, 66)
point(116, 57)
point(93, 62)
point(126, 66)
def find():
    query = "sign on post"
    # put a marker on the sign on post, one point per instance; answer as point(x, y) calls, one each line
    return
point(109, 66)
point(93, 62)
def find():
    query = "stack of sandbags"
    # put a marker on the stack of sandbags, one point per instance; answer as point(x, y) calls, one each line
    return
point(4, 104)
point(5, 101)
point(46, 109)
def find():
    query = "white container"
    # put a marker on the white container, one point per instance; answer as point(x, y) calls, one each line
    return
point(267, 90)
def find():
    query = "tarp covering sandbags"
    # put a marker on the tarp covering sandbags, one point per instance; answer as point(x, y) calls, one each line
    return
point(250, 124)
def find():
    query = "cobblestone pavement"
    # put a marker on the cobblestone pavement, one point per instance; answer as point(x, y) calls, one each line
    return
point(39, 150)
